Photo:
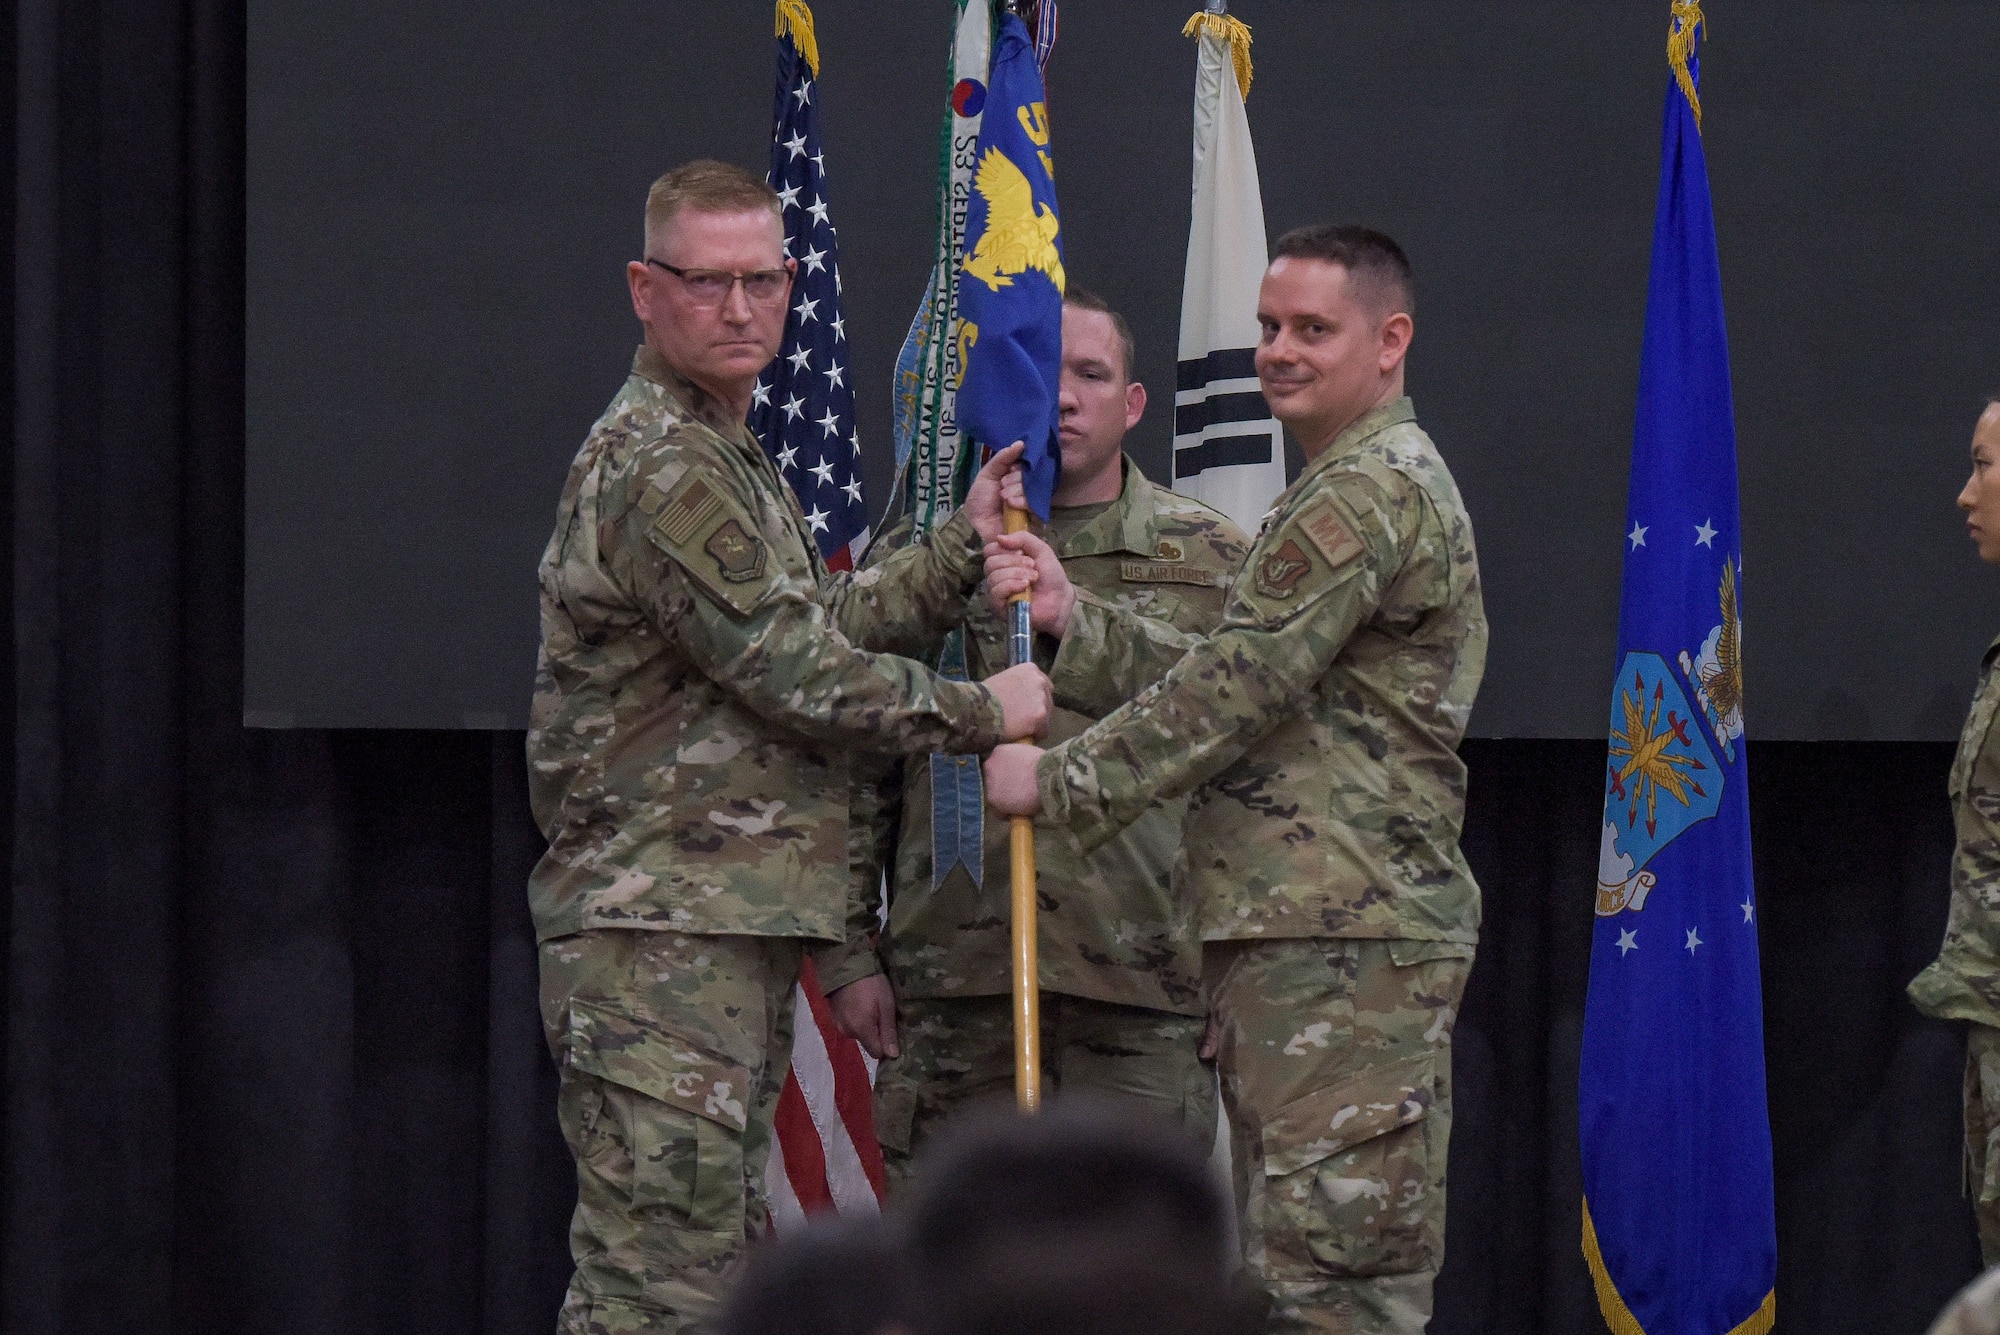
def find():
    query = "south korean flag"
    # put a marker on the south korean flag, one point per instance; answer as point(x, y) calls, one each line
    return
point(1228, 449)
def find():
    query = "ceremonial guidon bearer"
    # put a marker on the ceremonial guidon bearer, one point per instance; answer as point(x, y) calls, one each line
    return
point(703, 681)
point(1120, 960)
point(1317, 729)
point(1964, 982)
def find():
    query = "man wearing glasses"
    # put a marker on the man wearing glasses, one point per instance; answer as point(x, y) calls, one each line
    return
point(702, 684)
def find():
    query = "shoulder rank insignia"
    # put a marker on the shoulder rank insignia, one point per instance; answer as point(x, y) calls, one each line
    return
point(737, 554)
point(1280, 571)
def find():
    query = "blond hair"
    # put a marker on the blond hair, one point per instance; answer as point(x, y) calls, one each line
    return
point(706, 186)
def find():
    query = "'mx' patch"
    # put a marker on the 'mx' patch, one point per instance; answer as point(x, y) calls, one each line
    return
point(1280, 571)
point(737, 554)
point(1328, 532)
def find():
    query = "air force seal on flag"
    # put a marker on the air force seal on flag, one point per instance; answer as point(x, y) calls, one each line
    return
point(1661, 781)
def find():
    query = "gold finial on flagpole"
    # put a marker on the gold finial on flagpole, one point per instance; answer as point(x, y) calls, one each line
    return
point(1686, 23)
point(1215, 20)
point(796, 17)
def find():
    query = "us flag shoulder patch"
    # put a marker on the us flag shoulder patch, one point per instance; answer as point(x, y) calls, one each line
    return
point(691, 507)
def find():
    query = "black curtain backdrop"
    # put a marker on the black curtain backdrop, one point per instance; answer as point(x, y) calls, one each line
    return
point(272, 1061)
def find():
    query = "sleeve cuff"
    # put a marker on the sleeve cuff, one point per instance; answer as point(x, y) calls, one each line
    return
point(960, 549)
point(988, 726)
point(1077, 672)
point(1053, 780)
point(843, 963)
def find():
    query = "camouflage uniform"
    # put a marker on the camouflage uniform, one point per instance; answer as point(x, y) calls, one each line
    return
point(1975, 1311)
point(1964, 982)
point(1317, 729)
point(702, 682)
point(1123, 1010)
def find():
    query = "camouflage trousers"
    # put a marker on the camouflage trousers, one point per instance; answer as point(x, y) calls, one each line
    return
point(1335, 1056)
point(960, 1050)
point(1982, 1135)
point(672, 1051)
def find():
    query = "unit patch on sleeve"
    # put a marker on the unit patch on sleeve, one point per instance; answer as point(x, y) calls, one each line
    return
point(1280, 571)
point(738, 555)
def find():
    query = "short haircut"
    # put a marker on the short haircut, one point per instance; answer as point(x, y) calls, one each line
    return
point(707, 186)
point(1085, 300)
point(1375, 264)
point(1088, 1218)
point(834, 1276)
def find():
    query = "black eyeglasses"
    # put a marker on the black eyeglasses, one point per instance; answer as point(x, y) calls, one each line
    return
point(711, 287)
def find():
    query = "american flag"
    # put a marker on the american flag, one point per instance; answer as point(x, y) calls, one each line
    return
point(825, 1156)
point(803, 407)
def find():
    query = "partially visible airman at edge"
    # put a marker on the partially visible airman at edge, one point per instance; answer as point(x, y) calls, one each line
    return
point(703, 682)
point(1122, 1003)
point(1964, 982)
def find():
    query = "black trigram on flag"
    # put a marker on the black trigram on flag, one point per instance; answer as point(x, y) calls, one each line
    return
point(1228, 451)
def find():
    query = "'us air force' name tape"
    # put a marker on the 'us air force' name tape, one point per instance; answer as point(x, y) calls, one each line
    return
point(1166, 572)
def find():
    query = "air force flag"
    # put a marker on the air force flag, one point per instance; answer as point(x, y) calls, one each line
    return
point(1678, 1225)
point(1011, 281)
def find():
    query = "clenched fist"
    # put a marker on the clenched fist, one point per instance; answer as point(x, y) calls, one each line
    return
point(1022, 563)
point(1025, 698)
point(1010, 780)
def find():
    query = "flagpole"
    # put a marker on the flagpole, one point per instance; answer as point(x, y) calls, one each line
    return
point(1024, 924)
point(1021, 839)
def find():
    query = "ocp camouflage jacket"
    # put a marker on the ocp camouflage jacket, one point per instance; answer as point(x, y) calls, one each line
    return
point(1113, 925)
point(704, 680)
point(1318, 726)
point(1964, 982)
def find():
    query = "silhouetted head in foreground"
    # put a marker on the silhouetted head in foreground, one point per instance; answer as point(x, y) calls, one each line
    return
point(835, 1276)
point(1084, 1218)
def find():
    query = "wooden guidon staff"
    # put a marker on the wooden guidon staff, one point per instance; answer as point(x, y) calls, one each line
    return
point(1027, 971)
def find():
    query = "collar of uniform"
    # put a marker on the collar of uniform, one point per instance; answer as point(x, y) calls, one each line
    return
point(692, 399)
point(1128, 524)
point(1369, 424)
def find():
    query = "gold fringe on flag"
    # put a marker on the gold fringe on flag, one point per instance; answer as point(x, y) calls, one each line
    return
point(1231, 30)
point(1687, 20)
point(1619, 1317)
point(796, 17)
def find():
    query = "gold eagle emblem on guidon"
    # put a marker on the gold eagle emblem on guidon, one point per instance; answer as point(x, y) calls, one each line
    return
point(1020, 234)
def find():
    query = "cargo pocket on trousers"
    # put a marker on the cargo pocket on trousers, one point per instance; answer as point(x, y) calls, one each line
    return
point(1348, 1177)
point(679, 1109)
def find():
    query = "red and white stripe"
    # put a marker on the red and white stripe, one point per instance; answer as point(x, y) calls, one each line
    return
point(824, 1155)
